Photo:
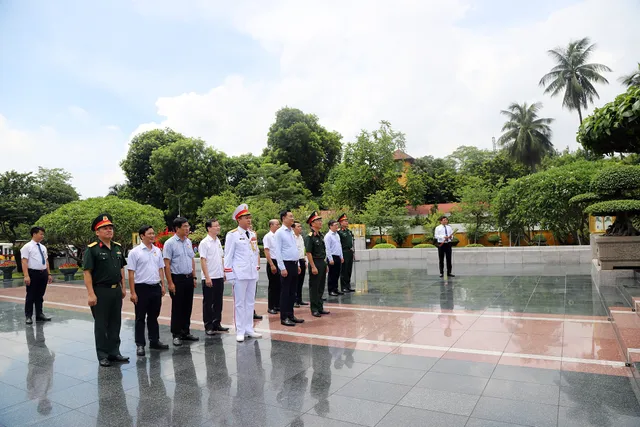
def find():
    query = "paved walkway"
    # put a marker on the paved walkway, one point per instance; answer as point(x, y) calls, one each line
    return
point(406, 349)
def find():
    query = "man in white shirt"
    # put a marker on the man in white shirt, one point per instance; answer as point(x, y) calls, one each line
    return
point(212, 261)
point(335, 257)
point(444, 236)
point(35, 266)
point(302, 262)
point(146, 283)
point(287, 256)
point(241, 266)
point(273, 272)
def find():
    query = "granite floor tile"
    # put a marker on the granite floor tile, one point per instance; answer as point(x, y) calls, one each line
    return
point(374, 390)
point(31, 412)
point(440, 401)
point(512, 411)
point(408, 362)
point(531, 375)
point(621, 401)
point(587, 416)
point(10, 395)
point(461, 367)
point(308, 420)
point(69, 419)
point(453, 382)
point(412, 417)
point(477, 422)
point(529, 392)
point(392, 375)
point(352, 410)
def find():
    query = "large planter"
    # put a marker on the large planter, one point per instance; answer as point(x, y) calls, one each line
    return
point(7, 272)
point(615, 252)
point(68, 273)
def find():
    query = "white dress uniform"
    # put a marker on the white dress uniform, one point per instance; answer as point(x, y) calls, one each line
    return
point(241, 264)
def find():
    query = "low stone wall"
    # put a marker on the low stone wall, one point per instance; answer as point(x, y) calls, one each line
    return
point(555, 255)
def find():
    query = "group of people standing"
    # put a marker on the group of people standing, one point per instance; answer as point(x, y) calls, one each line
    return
point(289, 255)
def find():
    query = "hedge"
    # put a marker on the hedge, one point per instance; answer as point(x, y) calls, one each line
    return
point(615, 180)
point(475, 245)
point(424, 246)
point(384, 246)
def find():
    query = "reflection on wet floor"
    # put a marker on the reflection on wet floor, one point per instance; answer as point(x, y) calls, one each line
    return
point(518, 349)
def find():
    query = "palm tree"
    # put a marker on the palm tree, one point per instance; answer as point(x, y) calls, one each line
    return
point(526, 137)
point(574, 75)
point(632, 79)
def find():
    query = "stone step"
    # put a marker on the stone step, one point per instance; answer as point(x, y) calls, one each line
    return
point(626, 324)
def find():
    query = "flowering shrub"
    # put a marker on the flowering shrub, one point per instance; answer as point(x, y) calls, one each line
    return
point(8, 264)
point(163, 237)
point(68, 265)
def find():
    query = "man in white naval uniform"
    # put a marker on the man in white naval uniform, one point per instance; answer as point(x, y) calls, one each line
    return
point(241, 265)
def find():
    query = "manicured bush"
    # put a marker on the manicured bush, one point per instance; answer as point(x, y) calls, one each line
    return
point(455, 241)
point(616, 180)
point(494, 239)
point(425, 246)
point(475, 245)
point(384, 246)
point(538, 240)
point(415, 242)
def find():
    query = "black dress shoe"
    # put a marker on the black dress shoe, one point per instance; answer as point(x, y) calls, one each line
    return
point(220, 328)
point(451, 275)
point(189, 337)
point(105, 362)
point(140, 350)
point(272, 311)
point(442, 275)
point(303, 303)
point(43, 318)
point(119, 358)
point(325, 312)
point(316, 314)
point(256, 316)
point(333, 294)
point(277, 309)
point(158, 345)
point(340, 293)
point(29, 321)
point(350, 290)
point(294, 319)
point(287, 322)
point(296, 305)
point(324, 299)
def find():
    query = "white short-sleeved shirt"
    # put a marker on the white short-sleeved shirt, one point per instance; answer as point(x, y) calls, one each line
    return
point(300, 244)
point(146, 263)
point(31, 253)
point(269, 242)
point(211, 250)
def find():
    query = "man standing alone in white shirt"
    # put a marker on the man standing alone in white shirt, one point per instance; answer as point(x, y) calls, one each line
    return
point(146, 283)
point(212, 261)
point(444, 236)
point(35, 267)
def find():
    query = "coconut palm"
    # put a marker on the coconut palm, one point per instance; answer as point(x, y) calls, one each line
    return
point(632, 79)
point(526, 137)
point(574, 75)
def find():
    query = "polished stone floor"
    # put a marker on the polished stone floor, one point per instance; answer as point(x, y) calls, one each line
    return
point(502, 347)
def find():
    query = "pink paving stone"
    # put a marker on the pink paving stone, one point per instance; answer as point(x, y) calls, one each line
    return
point(588, 368)
point(507, 324)
point(589, 330)
point(530, 363)
point(592, 348)
point(471, 357)
point(483, 340)
point(547, 345)
point(441, 338)
point(410, 351)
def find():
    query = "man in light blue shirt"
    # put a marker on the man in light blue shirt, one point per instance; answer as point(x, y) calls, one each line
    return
point(180, 269)
point(335, 257)
point(287, 258)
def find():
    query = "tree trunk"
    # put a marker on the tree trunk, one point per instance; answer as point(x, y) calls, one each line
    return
point(580, 114)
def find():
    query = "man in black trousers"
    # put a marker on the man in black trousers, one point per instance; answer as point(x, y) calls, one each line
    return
point(212, 262)
point(287, 257)
point(444, 236)
point(36, 275)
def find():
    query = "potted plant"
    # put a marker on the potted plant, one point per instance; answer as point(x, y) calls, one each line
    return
point(7, 268)
point(69, 270)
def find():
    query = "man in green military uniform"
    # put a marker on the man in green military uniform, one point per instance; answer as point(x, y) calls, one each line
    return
point(317, 260)
point(104, 278)
point(348, 250)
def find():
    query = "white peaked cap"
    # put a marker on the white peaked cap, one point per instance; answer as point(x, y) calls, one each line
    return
point(243, 209)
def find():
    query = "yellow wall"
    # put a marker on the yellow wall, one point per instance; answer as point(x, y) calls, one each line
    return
point(464, 241)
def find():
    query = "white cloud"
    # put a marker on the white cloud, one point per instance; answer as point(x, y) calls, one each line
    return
point(355, 63)
point(90, 153)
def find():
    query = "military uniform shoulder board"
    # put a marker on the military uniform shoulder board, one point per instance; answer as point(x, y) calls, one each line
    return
point(234, 230)
point(90, 245)
point(310, 234)
point(116, 243)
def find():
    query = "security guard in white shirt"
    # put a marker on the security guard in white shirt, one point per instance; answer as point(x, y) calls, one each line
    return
point(241, 265)
point(444, 235)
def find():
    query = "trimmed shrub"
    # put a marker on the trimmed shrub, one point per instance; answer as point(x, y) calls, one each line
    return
point(494, 239)
point(415, 242)
point(474, 245)
point(455, 241)
point(384, 246)
point(425, 246)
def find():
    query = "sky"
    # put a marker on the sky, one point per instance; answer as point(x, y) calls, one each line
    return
point(79, 79)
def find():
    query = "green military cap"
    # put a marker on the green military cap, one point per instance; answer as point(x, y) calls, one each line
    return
point(101, 220)
point(314, 216)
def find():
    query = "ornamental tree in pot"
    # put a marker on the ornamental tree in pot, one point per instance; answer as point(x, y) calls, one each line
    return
point(7, 268)
point(615, 128)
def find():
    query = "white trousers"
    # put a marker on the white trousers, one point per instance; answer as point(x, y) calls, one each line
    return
point(244, 299)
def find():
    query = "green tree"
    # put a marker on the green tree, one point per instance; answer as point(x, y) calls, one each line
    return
point(24, 197)
point(70, 224)
point(440, 178)
point(469, 158)
point(631, 79)
point(137, 165)
point(574, 75)
point(277, 182)
point(220, 207)
point(185, 173)
point(367, 167)
point(475, 208)
point(383, 210)
point(298, 140)
point(526, 137)
point(499, 169)
point(238, 167)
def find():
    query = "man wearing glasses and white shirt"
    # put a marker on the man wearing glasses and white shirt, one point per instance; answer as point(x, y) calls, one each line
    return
point(444, 236)
point(36, 275)
point(212, 261)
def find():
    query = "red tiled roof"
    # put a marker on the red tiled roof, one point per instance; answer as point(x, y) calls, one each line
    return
point(426, 209)
point(401, 155)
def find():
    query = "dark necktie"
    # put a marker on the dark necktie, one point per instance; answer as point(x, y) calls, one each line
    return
point(41, 254)
point(247, 234)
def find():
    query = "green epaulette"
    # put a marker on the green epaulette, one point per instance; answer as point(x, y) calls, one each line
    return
point(92, 244)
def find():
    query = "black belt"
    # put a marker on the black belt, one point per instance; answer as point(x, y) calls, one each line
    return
point(185, 276)
point(320, 257)
point(149, 284)
point(103, 285)
point(35, 270)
